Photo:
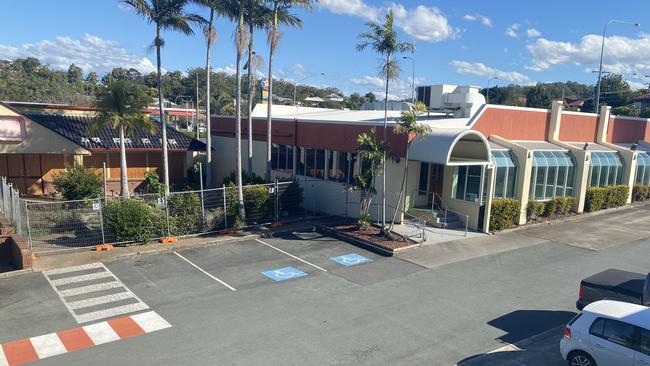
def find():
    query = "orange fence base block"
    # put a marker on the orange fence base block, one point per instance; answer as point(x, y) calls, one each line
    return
point(168, 240)
point(100, 248)
point(276, 225)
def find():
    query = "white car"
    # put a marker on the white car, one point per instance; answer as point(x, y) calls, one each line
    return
point(608, 333)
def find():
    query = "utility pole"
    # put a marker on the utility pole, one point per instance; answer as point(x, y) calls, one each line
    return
point(198, 135)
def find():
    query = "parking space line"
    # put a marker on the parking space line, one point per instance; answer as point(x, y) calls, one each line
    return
point(204, 272)
point(291, 255)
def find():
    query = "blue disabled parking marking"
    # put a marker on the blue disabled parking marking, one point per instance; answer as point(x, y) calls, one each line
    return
point(351, 259)
point(284, 274)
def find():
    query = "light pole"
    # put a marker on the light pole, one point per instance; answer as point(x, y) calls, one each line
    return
point(487, 92)
point(412, 77)
point(295, 85)
point(600, 67)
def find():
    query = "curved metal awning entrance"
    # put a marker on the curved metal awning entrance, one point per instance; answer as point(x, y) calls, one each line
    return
point(449, 146)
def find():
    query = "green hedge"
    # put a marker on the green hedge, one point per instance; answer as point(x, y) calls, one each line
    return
point(535, 209)
point(559, 206)
point(600, 198)
point(504, 213)
point(132, 220)
point(641, 192)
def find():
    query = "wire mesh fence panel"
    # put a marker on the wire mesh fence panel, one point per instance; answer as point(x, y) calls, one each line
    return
point(214, 210)
point(290, 201)
point(185, 213)
point(139, 218)
point(64, 224)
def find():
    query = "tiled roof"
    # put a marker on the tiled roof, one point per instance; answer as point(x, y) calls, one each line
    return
point(75, 128)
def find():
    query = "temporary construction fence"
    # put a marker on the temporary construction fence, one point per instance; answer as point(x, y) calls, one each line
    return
point(73, 224)
point(11, 205)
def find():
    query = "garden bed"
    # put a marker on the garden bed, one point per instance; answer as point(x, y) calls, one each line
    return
point(369, 239)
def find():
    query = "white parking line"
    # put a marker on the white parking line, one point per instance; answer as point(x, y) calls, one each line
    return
point(204, 272)
point(291, 255)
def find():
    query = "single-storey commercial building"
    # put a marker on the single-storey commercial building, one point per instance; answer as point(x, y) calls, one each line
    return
point(37, 141)
point(474, 153)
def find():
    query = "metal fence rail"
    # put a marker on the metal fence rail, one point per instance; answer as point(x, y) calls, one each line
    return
point(11, 205)
point(73, 224)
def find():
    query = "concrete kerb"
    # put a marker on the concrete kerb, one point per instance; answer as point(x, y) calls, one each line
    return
point(354, 241)
point(571, 218)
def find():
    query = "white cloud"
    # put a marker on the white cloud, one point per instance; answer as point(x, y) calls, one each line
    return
point(228, 69)
point(397, 89)
point(511, 31)
point(484, 71)
point(533, 33)
point(635, 85)
point(424, 23)
point(478, 17)
point(632, 55)
point(299, 70)
point(91, 53)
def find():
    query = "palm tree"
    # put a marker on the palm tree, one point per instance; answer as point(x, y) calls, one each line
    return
point(121, 106)
point(166, 15)
point(274, 36)
point(383, 39)
point(241, 38)
point(408, 125)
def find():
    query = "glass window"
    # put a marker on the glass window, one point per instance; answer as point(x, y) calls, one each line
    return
point(467, 183)
point(274, 156)
point(644, 341)
point(300, 166)
point(424, 179)
point(289, 159)
point(340, 172)
point(605, 169)
point(552, 175)
point(597, 327)
point(643, 168)
point(319, 167)
point(619, 332)
point(460, 178)
point(506, 174)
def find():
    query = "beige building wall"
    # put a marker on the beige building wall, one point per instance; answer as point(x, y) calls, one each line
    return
point(524, 159)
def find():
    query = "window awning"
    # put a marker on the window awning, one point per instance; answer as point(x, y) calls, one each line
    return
point(451, 146)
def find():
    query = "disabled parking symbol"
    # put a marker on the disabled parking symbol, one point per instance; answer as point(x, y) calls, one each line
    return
point(284, 274)
point(351, 259)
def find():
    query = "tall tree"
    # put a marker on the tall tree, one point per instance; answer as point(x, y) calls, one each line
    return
point(382, 38)
point(409, 126)
point(538, 97)
point(274, 36)
point(121, 104)
point(165, 15)
point(241, 38)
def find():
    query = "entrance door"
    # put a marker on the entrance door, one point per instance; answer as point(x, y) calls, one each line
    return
point(436, 172)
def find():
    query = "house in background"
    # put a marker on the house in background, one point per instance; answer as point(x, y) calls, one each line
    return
point(37, 140)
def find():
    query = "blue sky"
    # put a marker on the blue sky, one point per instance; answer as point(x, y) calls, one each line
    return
point(458, 42)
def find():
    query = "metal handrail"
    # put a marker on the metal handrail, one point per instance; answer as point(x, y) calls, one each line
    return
point(421, 224)
point(446, 210)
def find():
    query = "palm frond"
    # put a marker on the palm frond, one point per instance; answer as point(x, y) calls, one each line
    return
point(142, 8)
point(389, 70)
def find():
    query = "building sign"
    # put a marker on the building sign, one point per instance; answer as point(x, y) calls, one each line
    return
point(12, 129)
point(264, 86)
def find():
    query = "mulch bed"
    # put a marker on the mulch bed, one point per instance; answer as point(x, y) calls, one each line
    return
point(372, 235)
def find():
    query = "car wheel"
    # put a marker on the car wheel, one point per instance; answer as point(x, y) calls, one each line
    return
point(579, 358)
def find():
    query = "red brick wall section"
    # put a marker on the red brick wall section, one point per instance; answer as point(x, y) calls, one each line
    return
point(514, 124)
point(578, 128)
point(624, 130)
point(21, 255)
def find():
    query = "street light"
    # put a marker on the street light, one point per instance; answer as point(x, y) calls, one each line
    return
point(412, 78)
point(295, 85)
point(602, 50)
point(487, 92)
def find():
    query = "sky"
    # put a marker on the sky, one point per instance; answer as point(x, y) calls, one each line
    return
point(464, 42)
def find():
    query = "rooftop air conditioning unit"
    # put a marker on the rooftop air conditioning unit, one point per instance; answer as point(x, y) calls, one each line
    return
point(463, 101)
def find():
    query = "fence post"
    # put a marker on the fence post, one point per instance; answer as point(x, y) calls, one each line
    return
point(205, 224)
point(225, 208)
point(101, 219)
point(276, 200)
point(19, 218)
point(167, 215)
point(29, 229)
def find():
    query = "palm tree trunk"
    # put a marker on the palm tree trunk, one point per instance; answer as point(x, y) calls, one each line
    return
point(250, 98)
point(402, 187)
point(161, 109)
point(383, 172)
point(208, 133)
point(124, 180)
point(269, 118)
point(240, 51)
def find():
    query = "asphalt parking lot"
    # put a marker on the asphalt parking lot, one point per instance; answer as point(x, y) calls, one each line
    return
point(284, 300)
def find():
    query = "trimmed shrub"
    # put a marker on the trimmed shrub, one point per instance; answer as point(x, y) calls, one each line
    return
point(184, 213)
point(641, 192)
point(600, 198)
point(504, 213)
point(77, 182)
point(559, 206)
point(131, 220)
point(258, 203)
point(535, 209)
